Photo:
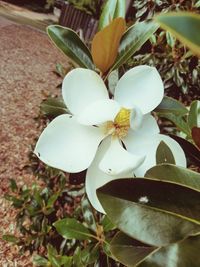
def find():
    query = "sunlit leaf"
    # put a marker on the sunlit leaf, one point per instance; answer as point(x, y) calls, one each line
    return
point(71, 228)
point(154, 212)
point(107, 224)
point(194, 114)
point(171, 105)
point(40, 261)
point(132, 40)
point(183, 25)
point(87, 213)
point(71, 45)
point(179, 121)
point(164, 154)
point(112, 9)
point(169, 172)
point(52, 256)
point(120, 10)
point(53, 107)
point(105, 44)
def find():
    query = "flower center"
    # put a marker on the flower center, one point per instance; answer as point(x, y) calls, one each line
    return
point(121, 124)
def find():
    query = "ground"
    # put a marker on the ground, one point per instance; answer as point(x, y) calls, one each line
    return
point(26, 77)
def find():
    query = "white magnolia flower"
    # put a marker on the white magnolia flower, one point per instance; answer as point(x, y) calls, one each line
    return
point(122, 129)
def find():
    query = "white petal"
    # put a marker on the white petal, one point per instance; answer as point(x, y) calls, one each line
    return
point(95, 178)
point(147, 145)
point(136, 118)
point(99, 112)
point(141, 86)
point(67, 145)
point(117, 160)
point(81, 87)
point(176, 149)
point(148, 126)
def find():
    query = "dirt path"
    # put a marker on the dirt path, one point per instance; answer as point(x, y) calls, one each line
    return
point(27, 60)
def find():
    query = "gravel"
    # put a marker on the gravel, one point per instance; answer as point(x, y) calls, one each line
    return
point(27, 62)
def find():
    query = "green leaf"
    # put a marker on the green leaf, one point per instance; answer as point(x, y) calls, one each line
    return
point(71, 228)
point(112, 9)
point(132, 253)
point(164, 154)
point(66, 261)
point(129, 251)
point(53, 107)
point(88, 214)
point(40, 261)
point(182, 254)
point(194, 114)
point(13, 185)
point(38, 198)
point(60, 70)
point(107, 224)
point(170, 105)
point(107, 13)
point(190, 150)
point(71, 45)
point(180, 175)
point(52, 256)
point(178, 121)
point(184, 26)
point(11, 239)
point(90, 254)
point(132, 40)
point(154, 212)
point(52, 200)
point(170, 39)
point(120, 10)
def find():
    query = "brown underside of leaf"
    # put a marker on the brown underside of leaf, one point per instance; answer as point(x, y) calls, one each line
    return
point(196, 135)
point(105, 44)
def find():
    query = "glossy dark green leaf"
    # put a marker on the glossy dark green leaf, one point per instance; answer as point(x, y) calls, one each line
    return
point(184, 26)
point(164, 154)
point(178, 121)
point(190, 150)
point(171, 105)
point(182, 254)
point(129, 251)
point(154, 212)
point(71, 45)
point(71, 228)
point(176, 174)
point(53, 107)
point(132, 253)
point(132, 40)
point(194, 114)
